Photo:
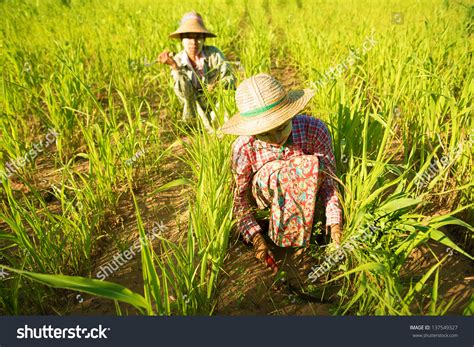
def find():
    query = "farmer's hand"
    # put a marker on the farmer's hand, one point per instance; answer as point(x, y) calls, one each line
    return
point(262, 252)
point(166, 57)
point(336, 233)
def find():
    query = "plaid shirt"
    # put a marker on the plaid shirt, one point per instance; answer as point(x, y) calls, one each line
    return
point(309, 136)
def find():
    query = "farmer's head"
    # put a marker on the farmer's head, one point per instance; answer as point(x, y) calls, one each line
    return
point(193, 43)
point(266, 109)
point(192, 33)
point(278, 135)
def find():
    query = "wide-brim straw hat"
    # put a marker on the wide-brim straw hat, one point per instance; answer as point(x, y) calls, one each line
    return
point(263, 105)
point(191, 23)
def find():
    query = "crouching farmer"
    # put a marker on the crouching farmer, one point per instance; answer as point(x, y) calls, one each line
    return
point(197, 70)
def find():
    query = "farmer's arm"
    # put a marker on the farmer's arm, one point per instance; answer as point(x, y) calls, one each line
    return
point(242, 170)
point(181, 80)
point(182, 84)
point(224, 74)
point(321, 142)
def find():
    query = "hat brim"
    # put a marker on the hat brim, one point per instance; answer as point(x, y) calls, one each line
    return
point(177, 34)
point(295, 102)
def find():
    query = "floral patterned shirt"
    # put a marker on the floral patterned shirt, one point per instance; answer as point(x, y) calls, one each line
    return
point(309, 135)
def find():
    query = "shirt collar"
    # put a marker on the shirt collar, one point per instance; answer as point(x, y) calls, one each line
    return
point(185, 59)
point(289, 141)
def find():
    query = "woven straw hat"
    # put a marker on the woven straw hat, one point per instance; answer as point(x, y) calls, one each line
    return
point(191, 23)
point(264, 105)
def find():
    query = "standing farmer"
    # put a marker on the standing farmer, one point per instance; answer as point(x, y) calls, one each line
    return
point(284, 162)
point(197, 68)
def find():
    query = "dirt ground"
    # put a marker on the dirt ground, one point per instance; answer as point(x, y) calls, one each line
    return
point(246, 287)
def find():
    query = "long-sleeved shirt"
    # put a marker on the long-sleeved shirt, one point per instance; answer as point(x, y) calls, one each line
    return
point(309, 136)
point(212, 65)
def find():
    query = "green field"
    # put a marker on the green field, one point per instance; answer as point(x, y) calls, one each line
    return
point(94, 162)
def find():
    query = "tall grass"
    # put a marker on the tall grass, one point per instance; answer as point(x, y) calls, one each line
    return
point(83, 70)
